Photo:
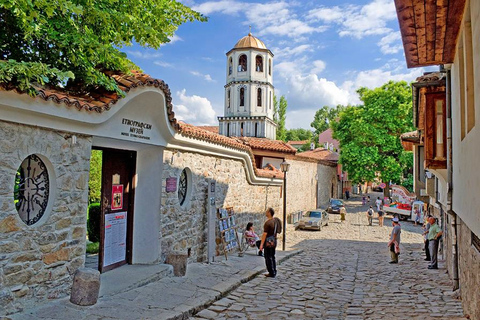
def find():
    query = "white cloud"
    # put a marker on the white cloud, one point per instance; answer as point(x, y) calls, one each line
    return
point(310, 91)
point(282, 52)
point(391, 43)
point(163, 64)
point(318, 66)
point(143, 54)
point(194, 109)
point(205, 77)
point(223, 6)
point(358, 21)
point(174, 39)
point(298, 118)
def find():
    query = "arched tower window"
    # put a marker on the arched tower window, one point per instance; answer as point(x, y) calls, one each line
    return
point(228, 129)
point(242, 63)
point(241, 129)
point(269, 67)
point(259, 64)
point(242, 97)
point(259, 97)
point(230, 66)
point(228, 98)
point(256, 129)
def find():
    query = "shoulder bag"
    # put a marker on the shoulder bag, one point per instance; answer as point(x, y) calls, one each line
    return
point(271, 241)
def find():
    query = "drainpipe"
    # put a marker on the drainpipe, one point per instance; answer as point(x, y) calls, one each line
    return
point(450, 211)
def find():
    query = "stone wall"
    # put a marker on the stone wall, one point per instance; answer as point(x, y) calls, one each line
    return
point(469, 271)
point(37, 262)
point(185, 227)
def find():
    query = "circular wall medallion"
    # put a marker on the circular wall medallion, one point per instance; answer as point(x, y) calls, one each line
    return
point(182, 187)
point(32, 188)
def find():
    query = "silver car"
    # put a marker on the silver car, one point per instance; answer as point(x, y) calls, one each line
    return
point(313, 219)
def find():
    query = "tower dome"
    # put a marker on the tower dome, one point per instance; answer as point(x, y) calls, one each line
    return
point(250, 41)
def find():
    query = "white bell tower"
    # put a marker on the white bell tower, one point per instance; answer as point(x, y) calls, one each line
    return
point(249, 91)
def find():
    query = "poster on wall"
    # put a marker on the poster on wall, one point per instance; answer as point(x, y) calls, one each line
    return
point(115, 238)
point(117, 197)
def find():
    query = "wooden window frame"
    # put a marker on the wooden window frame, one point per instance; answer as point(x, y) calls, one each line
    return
point(430, 139)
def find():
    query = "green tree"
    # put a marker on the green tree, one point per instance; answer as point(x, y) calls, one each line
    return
point(324, 116)
point(95, 178)
point(280, 118)
point(299, 135)
point(76, 43)
point(369, 134)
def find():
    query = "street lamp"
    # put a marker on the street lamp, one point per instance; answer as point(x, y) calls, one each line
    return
point(342, 183)
point(284, 166)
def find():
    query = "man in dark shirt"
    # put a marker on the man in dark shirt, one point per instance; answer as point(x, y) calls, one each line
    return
point(272, 227)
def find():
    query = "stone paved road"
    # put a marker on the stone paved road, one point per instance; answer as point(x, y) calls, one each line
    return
point(344, 274)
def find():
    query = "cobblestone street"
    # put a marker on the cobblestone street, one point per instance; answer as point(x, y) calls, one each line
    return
point(344, 273)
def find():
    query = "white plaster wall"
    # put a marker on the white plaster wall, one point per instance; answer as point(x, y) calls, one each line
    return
point(466, 175)
point(148, 191)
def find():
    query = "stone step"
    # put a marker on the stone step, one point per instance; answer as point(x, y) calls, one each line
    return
point(129, 277)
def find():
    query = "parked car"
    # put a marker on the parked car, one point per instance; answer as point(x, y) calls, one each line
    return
point(336, 206)
point(313, 219)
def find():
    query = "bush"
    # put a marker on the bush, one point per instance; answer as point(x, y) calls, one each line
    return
point(93, 247)
point(93, 222)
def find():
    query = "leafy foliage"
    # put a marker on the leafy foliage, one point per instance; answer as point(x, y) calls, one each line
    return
point(93, 222)
point(80, 40)
point(95, 180)
point(280, 117)
point(369, 135)
point(298, 135)
point(324, 116)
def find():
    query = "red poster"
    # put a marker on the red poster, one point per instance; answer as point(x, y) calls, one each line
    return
point(117, 197)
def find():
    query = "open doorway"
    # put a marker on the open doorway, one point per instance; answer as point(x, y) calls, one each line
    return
point(110, 216)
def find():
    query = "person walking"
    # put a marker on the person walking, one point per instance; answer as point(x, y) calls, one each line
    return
point(370, 215)
point(378, 203)
point(434, 233)
point(364, 200)
point(381, 215)
point(271, 228)
point(394, 243)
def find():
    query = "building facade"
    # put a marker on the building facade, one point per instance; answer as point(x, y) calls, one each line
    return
point(451, 143)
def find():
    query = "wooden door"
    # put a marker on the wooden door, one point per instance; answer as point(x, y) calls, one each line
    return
point(118, 168)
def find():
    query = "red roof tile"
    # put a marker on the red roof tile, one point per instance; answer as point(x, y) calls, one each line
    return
point(302, 142)
point(320, 154)
point(213, 129)
point(267, 144)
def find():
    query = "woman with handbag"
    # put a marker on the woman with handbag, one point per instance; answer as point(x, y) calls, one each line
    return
point(271, 228)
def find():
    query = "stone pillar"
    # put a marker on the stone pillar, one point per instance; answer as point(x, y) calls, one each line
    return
point(179, 263)
point(86, 285)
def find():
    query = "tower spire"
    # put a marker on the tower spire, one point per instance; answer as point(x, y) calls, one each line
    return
point(250, 30)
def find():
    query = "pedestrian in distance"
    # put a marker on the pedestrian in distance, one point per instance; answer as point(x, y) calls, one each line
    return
point(378, 203)
point(271, 228)
point(370, 215)
point(426, 228)
point(364, 200)
point(394, 243)
point(381, 216)
point(417, 216)
point(253, 238)
point(368, 199)
point(347, 194)
point(434, 234)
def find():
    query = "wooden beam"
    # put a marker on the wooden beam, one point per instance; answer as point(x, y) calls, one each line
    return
point(430, 25)
point(420, 29)
point(406, 22)
point(441, 23)
point(454, 20)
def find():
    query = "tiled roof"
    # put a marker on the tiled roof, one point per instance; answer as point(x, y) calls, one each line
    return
point(320, 154)
point(101, 100)
point(267, 144)
point(297, 142)
point(200, 133)
point(213, 129)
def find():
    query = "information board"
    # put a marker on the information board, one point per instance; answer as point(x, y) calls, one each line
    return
point(115, 238)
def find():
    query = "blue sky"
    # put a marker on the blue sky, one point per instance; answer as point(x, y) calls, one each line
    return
point(324, 50)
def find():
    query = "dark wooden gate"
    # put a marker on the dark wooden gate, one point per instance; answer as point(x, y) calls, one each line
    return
point(116, 230)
